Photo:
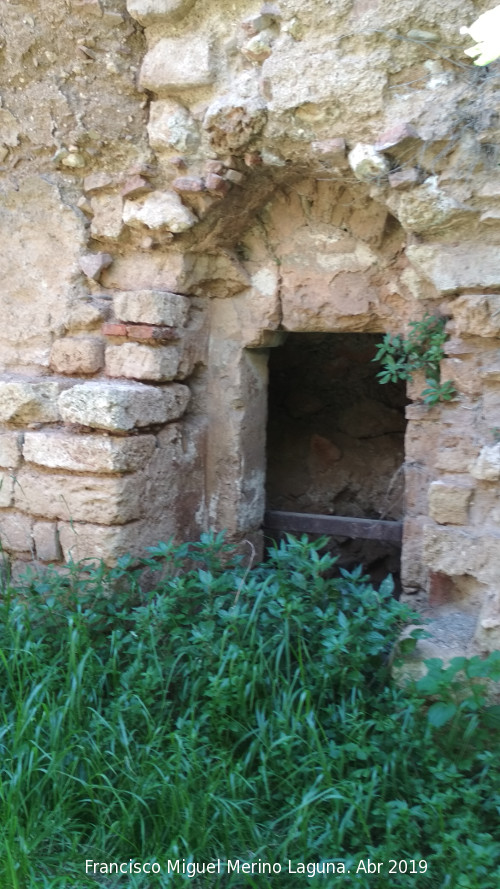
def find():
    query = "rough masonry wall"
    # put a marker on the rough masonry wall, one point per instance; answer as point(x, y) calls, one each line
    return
point(181, 182)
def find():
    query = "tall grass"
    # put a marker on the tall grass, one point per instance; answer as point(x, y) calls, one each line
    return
point(223, 715)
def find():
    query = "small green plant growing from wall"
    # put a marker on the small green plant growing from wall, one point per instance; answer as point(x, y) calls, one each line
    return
point(423, 350)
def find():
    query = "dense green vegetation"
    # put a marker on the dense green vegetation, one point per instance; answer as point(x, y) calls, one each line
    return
point(187, 709)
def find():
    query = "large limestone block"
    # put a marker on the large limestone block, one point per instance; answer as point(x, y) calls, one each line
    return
point(177, 63)
point(120, 407)
point(152, 307)
point(88, 453)
point(137, 362)
point(77, 355)
point(10, 449)
point(451, 551)
point(100, 499)
point(23, 402)
point(42, 239)
point(449, 503)
point(6, 489)
point(150, 12)
point(46, 540)
point(477, 314)
point(426, 208)
point(159, 210)
point(315, 72)
point(15, 532)
point(171, 127)
point(451, 268)
point(487, 465)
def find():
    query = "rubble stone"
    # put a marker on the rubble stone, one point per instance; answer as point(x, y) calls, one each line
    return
point(92, 264)
point(107, 219)
point(160, 210)
point(367, 163)
point(88, 453)
point(171, 127)
point(177, 63)
point(150, 12)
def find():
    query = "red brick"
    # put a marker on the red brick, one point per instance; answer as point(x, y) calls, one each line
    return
point(441, 589)
point(214, 167)
point(114, 328)
point(135, 186)
point(188, 184)
point(216, 184)
point(399, 133)
point(154, 332)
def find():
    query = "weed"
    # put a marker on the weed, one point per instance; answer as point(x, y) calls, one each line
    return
point(234, 714)
point(421, 350)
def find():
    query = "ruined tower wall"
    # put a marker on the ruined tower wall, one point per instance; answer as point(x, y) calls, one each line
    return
point(183, 182)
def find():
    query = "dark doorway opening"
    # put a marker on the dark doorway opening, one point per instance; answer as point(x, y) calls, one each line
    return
point(335, 441)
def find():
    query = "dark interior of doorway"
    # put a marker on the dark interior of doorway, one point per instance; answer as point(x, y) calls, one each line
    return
point(335, 440)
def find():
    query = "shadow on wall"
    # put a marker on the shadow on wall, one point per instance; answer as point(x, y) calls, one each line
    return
point(335, 439)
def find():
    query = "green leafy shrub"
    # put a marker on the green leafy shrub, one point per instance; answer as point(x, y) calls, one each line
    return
point(421, 350)
point(230, 714)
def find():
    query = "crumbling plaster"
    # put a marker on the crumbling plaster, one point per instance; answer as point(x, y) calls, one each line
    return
point(183, 182)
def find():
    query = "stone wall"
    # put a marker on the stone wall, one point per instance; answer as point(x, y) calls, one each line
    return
point(182, 182)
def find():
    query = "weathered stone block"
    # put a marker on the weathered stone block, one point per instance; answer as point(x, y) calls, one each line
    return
point(77, 355)
point(159, 210)
point(10, 449)
point(449, 503)
point(117, 407)
point(452, 268)
point(464, 374)
point(88, 453)
point(171, 127)
point(46, 540)
point(120, 407)
point(451, 551)
point(426, 208)
point(487, 465)
point(6, 489)
point(23, 402)
point(149, 12)
point(152, 307)
point(15, 532)
point(177, 64)
point(491, 406)
point(137, 362)
point(103, 500)
point(477, 314)
point(457, 458)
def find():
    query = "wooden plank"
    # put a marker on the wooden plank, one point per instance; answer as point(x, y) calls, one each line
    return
point(333, 526)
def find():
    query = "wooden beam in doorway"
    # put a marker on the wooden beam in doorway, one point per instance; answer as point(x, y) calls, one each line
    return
point(333, 526)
